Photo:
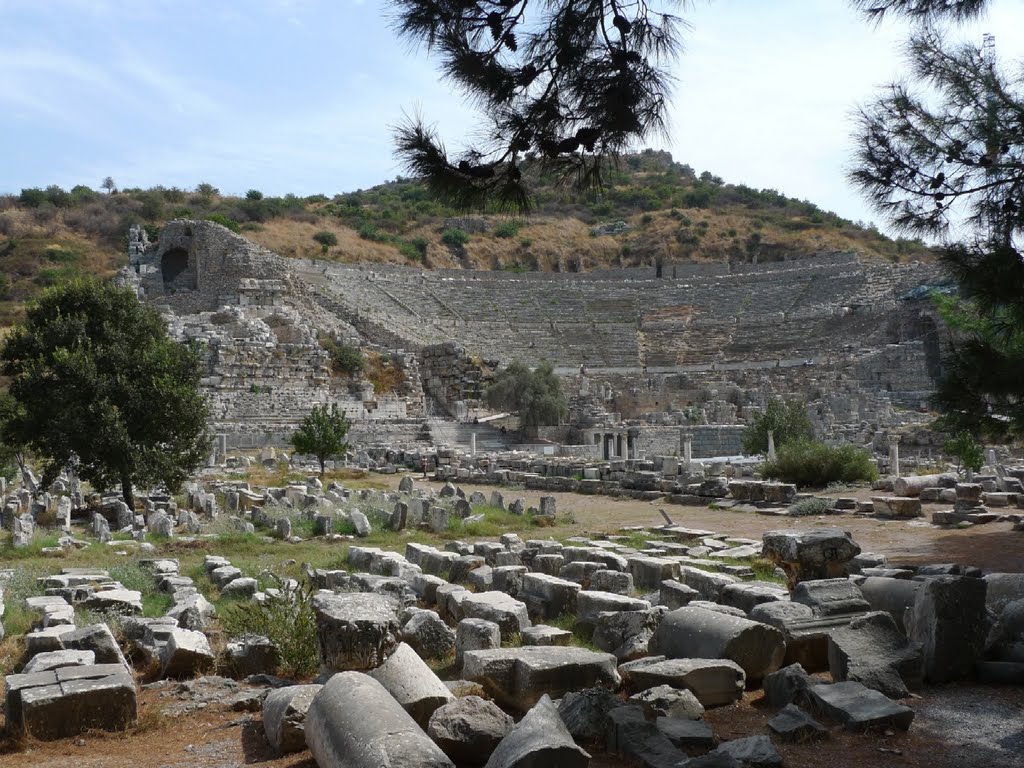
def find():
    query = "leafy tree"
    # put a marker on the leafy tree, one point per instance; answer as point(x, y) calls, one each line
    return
point(788, 421)
point(206, 191)
point(326, 239)
point(981, 391)
point(32, 197)
point(96, 380)
point(536, 396)
point(322, 434)
point(109, 185)
point(253, 194)
point(968, 452)
point(943, 155)
point(569, 84)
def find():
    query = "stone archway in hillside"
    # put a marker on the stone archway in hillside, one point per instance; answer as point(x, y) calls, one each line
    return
point(175, 271)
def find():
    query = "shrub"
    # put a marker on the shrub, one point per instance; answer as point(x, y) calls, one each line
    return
point(415, 249)
point(454, 237)
point(507, 229)
point(326, 239)
point(809, 507)
point(287, 620)
point(370, 232)
point(345, 358)
point(224, 221)
point(812, 463)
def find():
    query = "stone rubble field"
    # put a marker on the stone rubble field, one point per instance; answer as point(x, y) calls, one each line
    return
point(499, 650)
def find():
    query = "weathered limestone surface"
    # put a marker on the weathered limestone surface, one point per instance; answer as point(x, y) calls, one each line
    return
point(950, 621)
point(520, 676)
point(810, 554)
point(469, 729)
point(713, 681)
point(353, 721)
point(284, 716)
point(64, 702)
point(412, 683)
point(508, 613)
point(858, 708)
point(539, 740)
point(702, 634)
point(356, 630)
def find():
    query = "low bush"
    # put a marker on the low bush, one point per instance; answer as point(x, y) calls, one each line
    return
point(346, 359)
point(224, 221)
point(455, 237)
point(507, 229)
point(809, 507)
point(812, 463)
point(287, 620)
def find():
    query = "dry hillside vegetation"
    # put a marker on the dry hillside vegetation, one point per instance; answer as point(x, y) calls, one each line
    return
point(652, 210)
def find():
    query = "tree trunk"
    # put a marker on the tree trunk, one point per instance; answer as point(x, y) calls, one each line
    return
point(323, 463)
point(126, 492)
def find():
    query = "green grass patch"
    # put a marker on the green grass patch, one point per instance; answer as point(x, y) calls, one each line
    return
point(495, 522)
point(582, 635)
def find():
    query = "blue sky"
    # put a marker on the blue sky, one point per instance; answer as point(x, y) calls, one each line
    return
point(298, 95)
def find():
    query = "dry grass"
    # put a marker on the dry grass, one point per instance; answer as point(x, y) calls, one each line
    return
point(294, 239)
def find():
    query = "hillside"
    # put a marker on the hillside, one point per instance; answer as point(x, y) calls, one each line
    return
point(653, 210)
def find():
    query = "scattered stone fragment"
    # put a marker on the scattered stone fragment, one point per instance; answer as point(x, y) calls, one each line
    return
point(518, 677)
point(872, 651)
point(666, 701)
point(752, 751)
point(186, 654)
point(792, 724)
point(355, 630)
point(284, 716)
point(539, 740)
point(686, 733)
point(631, 733)
point(508, 613)
point(64, 702)
point(950, 621)
point(428, 635)
point(353, 721)
point(412, 683)
point(702, 634)
point(713, 681)
point(786, 685)
point(585, 712)
point(858, 708)
point(469, 729)
point(810, 554)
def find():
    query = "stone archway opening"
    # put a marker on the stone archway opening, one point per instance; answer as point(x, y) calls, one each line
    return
point(175, 271)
